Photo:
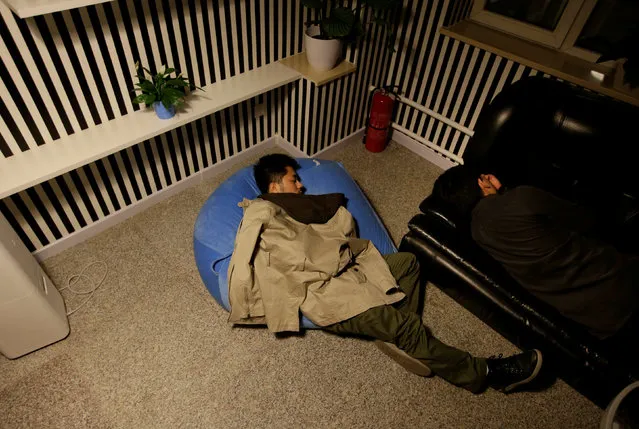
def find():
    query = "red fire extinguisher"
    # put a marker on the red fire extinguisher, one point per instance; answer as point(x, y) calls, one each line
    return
point(377, 131)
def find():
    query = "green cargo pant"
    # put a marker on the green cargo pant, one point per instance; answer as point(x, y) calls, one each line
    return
point(401, 324)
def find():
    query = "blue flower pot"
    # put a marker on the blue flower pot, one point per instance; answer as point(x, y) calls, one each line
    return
point(163, 112)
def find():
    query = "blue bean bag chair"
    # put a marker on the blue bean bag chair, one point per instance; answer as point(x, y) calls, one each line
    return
point(219, 219)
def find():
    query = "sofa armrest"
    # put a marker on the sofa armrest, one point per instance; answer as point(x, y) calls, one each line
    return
point(577, 357)
point(439, 212)
point(458, 253)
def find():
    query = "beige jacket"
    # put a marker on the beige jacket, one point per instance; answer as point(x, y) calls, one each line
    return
point(280, 267)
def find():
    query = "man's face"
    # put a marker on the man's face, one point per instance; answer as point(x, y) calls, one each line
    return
point(290, 183)
point(488, 184)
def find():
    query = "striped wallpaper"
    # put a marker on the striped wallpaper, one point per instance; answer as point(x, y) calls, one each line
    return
point(447, 76)
point(64, 72)
point(315, 117)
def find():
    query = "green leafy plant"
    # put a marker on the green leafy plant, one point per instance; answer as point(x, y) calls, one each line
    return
point(162, 87)
point(339, 22)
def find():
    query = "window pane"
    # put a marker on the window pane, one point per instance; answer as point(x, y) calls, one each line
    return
point(609, 22)
point(542, 13)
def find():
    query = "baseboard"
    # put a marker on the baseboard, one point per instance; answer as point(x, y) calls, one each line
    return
point(284, 144)
point(422, 150)
point(296, 153)
point(211, 171)
point(359, 134)
point(238, 158)
point(129, 211)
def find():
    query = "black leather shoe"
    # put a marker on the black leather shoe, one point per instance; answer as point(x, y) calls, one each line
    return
point(506, 374)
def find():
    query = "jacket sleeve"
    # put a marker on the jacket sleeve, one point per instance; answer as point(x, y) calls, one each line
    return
point(244, 293)
point(375, 267)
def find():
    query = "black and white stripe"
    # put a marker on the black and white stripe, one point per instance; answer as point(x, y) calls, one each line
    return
point(68, 71)
point(61, 206)
point(322, 115)
point(445, 75)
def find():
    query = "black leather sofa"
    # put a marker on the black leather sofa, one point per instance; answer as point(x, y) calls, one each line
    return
point(578, 145)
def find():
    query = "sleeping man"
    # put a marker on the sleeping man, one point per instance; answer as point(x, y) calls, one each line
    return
point(299, 253)
point(548, 245)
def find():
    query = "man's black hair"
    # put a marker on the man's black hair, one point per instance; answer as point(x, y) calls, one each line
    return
point(271, 169)
point(458, 188)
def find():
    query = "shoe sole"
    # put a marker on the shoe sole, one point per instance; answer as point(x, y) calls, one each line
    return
point(405, 360)
point(531, 377)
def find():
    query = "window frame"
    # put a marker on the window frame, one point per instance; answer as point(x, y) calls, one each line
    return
point(568, 46)
point(554, 39)
point(567, 62)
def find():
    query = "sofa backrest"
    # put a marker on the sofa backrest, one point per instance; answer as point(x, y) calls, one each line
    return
point(567, 140)
point(557, 136)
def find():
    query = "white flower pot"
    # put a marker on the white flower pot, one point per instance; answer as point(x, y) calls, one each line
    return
point(322, 55)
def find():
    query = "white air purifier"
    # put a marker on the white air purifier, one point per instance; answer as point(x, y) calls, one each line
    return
point(32, 311)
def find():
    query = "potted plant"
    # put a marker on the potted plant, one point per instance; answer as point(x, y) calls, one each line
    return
point(325, 36)
point(163, 92)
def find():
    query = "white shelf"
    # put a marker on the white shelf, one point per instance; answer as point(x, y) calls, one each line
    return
point(298, 62)
point(29, 168)
point(29, 8)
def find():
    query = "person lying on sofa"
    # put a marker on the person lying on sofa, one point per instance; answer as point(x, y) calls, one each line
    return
point(296, 252)
point(546, 244)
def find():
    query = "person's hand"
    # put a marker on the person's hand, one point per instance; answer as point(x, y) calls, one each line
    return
point(493, 181)
point(489, 184)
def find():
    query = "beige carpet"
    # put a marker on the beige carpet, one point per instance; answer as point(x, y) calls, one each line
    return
point(154, 350)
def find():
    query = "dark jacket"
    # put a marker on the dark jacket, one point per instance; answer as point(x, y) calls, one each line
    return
point(544, 243)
